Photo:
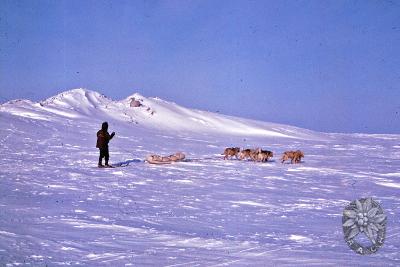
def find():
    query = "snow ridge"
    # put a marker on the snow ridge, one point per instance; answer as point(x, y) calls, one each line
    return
point(153, 113)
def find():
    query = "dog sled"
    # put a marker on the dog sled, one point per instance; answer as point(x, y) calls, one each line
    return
point(157, 159)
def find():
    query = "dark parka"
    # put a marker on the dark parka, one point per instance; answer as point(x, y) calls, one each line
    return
point(103, 137)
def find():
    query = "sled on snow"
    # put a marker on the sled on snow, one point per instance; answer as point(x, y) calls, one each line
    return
point(157, 159)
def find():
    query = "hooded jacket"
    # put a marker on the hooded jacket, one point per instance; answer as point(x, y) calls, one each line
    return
point(103, 137)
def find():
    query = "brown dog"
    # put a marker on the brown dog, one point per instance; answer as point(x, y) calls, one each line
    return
point(294, 156)
point(231, 151)
point(245, 153)
point(288, 155)
point(256, 154)
point(264, 155)
point(249, 153)
point(299, 155)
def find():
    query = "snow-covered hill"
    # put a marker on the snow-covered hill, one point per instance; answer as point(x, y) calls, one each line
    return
point(150, 113)
point(57, 208)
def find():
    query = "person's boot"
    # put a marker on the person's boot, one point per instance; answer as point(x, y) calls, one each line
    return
point(100, 165)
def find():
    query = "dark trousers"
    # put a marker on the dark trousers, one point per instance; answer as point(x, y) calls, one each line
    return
point(104, 154)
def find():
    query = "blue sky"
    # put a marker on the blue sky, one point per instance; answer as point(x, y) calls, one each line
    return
point(331, 66)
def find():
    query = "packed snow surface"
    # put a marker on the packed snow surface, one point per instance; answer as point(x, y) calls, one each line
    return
point(57, 208)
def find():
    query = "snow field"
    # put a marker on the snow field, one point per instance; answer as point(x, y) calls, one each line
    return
point(57, 208)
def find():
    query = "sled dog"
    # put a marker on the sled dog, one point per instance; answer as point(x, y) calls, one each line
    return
point(294, 156)
point(230, 152)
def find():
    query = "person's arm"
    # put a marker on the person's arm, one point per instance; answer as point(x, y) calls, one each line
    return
point(112, 135)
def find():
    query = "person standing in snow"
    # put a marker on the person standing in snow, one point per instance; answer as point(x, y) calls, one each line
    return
point(103, 137)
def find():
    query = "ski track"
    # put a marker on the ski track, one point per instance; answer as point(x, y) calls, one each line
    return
point(58, 208)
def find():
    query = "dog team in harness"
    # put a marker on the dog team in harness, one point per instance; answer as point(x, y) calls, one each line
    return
point(258, 155)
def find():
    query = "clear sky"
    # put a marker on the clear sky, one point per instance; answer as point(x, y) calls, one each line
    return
point(331, 66)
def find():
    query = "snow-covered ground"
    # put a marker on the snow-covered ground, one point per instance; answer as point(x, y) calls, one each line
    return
point(58, 208)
